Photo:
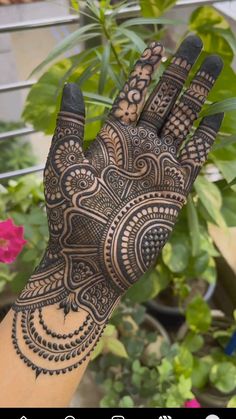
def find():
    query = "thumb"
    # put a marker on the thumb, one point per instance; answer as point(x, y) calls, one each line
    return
point(72, 100)
point(70, 120)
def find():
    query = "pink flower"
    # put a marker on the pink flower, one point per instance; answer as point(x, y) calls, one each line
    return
point(11, 240)
point(192, 403)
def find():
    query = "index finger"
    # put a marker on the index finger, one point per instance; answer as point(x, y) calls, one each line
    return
point(129, 102)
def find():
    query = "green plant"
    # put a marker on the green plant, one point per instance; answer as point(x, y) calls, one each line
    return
point(23, 201)
point(147, 371)
point(100, 71)
point(207, 338)
point(15, 153)
point(151, 374)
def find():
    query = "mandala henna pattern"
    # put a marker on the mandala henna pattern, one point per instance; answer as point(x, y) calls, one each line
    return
point(111, 210)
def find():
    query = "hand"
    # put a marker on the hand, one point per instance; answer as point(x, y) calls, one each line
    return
point(111, 209)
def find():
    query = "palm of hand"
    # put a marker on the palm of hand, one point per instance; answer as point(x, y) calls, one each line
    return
point(112, 221)
point(111, 209)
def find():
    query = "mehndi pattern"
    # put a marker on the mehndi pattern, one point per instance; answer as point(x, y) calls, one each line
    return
point(111, 209)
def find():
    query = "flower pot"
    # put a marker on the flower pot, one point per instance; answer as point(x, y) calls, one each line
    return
point(210, 396)
point(166, 309)
point(89, 393)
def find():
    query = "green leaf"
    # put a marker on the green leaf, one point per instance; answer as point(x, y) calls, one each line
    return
point(133, 37)
point(184, 387)
point(30, 255)
point(176, 253)
point(126, 401)
point(75, 4)
point(49, 89)
point(210, 197)
point(118, 386)
point(232, 402)
point(223, 376)
point(205, 17)
point(110, 330)
point(200, 373)
point(80, 35)
point(226, 105)
point(223, 90)
point(224, 159)
point(183, 362)
point(150, 21)
point(104, 67)
point(212, 27)
point(136, 366)
point(98, 99)
point(229, 205)
point(150, 284)
point(165, 370)
point(210, 273)
point(116, 347)
point(229, 37)
point(193, 226)
point(98, 349)
point(155, 7)
point(198, 315)
point(200, 263)
point(193, 342)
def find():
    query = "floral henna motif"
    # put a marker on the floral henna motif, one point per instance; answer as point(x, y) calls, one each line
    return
point(130, 100)
point(111, 211)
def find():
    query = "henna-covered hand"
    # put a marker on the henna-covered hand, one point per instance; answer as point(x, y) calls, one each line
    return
point(111, 209)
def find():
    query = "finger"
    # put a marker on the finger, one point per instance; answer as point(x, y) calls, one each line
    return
point(183, 115)
point(130, 100)
point(171, 83)
point(66, 147)
point(194, 154)
point(70, 120)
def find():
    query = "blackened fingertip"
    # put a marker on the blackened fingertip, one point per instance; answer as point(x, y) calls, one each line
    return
point(190, 49)
point(72, 99)
point(212, 65)
point(213, 121)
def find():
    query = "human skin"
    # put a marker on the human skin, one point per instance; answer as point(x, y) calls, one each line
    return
point(110, 211)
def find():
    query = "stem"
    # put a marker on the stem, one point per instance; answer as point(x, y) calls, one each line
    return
point(119, 62)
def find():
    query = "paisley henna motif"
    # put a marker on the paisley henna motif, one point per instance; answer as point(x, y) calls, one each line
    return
point(111, 210)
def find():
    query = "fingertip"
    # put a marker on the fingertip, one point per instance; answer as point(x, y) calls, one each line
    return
point(212, 65)
point(72, 99)
point(213, 121)
point(190, 48)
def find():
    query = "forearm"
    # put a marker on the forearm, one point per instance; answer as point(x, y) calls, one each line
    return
point(19, 385)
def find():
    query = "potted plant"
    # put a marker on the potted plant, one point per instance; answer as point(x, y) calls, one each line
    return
point(207, 334)
point(149, 373)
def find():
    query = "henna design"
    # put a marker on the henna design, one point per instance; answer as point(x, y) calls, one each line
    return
point(186, 111)
point(130, 100)
point(161, 101)
point(111, 210)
